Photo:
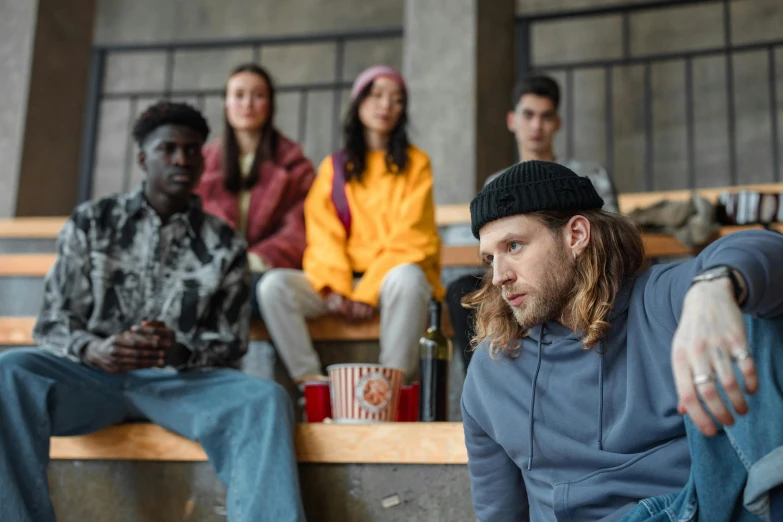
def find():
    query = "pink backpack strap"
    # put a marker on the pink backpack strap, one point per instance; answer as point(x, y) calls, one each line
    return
point(339, 197)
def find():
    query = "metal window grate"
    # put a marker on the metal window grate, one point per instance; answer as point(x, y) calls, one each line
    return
point(97, 93)
point(566, 66)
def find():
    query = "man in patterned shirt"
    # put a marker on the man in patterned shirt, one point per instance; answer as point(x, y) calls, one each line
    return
point(145, 317)
point(534, 121)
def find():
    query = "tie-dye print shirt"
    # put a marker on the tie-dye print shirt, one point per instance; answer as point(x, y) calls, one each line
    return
point(119, 265)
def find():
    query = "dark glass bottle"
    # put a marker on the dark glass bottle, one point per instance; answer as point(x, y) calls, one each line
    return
point(435, 356)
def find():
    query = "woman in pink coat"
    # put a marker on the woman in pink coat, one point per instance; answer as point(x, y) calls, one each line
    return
point(255, 178)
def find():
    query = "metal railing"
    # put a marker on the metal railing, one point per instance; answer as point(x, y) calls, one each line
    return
point(96, 94)
point(728, 50)
point(96, 87)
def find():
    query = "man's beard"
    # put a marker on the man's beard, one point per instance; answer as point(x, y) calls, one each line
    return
point(548, 301)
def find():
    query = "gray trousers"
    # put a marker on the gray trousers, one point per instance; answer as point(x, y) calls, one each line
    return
point(286, 299)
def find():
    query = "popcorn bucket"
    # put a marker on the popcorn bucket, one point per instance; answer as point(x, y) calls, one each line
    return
point(364, 393)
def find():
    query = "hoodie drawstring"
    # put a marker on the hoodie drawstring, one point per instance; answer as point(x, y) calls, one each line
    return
point(601, 399)
point(533, 400)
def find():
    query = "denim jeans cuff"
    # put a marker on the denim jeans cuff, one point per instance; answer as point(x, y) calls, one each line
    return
point(765, 474)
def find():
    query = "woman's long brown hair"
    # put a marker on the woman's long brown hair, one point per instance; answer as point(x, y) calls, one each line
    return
point(615, 252)
point(267, 145)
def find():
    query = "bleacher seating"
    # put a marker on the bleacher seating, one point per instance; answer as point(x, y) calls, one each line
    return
point(16, 330)
point(403, 443)
point(387, 443)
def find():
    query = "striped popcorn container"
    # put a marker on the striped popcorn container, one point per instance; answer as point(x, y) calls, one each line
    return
point(364, 392)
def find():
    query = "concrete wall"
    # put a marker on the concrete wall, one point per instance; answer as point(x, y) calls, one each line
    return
point(191, 492)
point(17, 24)
point(49, 172)
point(123, 21)
point(44, 55)
point(667, 30)
point(456, 57)
point(307, 118)
point(310, 118)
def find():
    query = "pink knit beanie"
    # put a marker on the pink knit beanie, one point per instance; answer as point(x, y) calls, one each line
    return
point(371, 74)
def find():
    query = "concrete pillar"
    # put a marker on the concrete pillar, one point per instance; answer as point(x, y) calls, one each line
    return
point(49, 170)
point(458, 60)
point(17, 25)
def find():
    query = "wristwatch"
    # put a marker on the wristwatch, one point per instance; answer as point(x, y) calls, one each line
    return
point(719, 272)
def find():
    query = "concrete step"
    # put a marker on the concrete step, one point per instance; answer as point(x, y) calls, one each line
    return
point(390, 472)
point(154, 491)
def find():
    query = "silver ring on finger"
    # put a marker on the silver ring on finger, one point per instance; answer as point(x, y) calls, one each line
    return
point(703, 378)
point(741, 356)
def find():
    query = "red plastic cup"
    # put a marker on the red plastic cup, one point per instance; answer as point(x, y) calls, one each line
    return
point(409, 403)
point(318, 402)
point(413, 404)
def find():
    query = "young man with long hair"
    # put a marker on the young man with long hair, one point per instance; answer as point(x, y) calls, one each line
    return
point(600, 390)
point(534, 120)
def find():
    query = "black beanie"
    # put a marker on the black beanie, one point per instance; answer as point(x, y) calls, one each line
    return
point(531, 186)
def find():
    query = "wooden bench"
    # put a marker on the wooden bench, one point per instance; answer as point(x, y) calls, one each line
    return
point(459, 214)
point(445, 215)
point(657, 245)
point(17, 331)
point(384, 443)
point(31, 227)
point(392, 443)
point(38, 264)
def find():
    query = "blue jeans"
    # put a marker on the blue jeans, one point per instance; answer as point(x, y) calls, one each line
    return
point(733, 472)
point(244, 424)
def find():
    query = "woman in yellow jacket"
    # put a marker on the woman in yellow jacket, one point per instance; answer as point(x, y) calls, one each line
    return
point(372, 242)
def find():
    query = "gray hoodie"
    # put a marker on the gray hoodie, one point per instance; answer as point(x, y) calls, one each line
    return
point(560, 433)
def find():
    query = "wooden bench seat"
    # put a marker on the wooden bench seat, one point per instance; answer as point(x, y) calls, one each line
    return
point(633, 200)
point(445, 215)
point(459, 214)
point(31, 265)
point(656, 245)
point(392, 443)
point(26, 265)
point(385, 443)
point(31, 227)
point(17, 331)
